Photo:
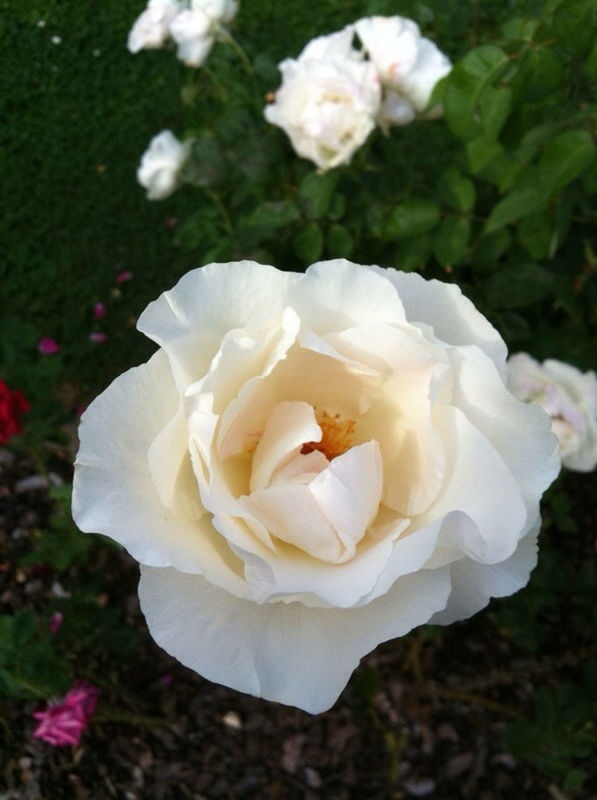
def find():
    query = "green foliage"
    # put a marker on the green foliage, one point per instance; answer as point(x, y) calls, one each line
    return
point(562, 730)
point(63, 544)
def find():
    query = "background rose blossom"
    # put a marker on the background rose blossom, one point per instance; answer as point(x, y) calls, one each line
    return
point(570, 398)
point(310, 465)
point(12, 405)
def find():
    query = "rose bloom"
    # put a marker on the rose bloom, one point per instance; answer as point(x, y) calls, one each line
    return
point(161, 163)
point(409, 66)
point(151, 29)
point(12, 405)
point(570, 398)
point(328, 100)
point(310, 465)
point(195, 28)
point(63, 721)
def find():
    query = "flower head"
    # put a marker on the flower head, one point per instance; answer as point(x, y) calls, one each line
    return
point(12, 405)
point(310, 465)
point(409, 66)
point(48, 346)
point(161, 163)
point(328, 100)
point(151, 29)
point(63, 721)
point(570, 398)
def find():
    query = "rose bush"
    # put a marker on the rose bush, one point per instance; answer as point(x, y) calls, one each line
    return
point(310, 465)
point(570, 398)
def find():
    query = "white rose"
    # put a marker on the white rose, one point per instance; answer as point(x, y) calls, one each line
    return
point(570, 398)
point(195, 29)
point(409, 65)
point(328, 100)
point(161, 163)
point(191, 30)
point(152, 28)
point(217, 10)
point(310, 465)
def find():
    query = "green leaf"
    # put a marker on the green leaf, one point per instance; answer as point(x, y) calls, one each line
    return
point(491, 247)
point(412, 218)
point(456, 191)
point(412, 254)
point(540, 72)
point(564, 158)
point(337, 206)
point(482, 151)
point(575, 24)
point(315, 193)
point(520, 29)
point(463, 86)
point(268, 217)
point(518, 286)
point(535, 235)
point(339, 242)
point(494, 108)
point(515, 205)
point(451, 240)
point(308, 243)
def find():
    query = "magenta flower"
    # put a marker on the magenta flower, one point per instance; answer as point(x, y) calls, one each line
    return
point(63, 721)
point(55, 621)
point(98, 337)
point(47, 346)
point(124, 276)
point(99, 310)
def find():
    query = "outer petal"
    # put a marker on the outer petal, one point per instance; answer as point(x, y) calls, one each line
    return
point(334, 295)
point(285, 652)
point(113, 490)
point(453, 317)
point(191, 319)
point(521, 433)
point(473, 584)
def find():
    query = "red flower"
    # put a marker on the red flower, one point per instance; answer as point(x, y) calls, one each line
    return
point(12, 405)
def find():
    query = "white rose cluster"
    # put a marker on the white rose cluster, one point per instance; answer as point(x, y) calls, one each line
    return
point(570, 398)
point(334, 94)
point(161, 165)
point(193, 25)
point(311, 464)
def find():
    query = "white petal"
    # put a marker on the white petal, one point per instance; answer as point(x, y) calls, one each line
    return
point(291, 513)
point(520, 433)
point(473, 584)
point(284, 652)
point(452, 316)
point(349, 491)
point(172, 472)
point(191, 319)
point(334, 295)
point(113, 490)
point(288, 427)
point(480, 486)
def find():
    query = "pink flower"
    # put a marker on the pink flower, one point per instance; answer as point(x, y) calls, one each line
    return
point(124, 276)
point(99, 310)
point(47, 346)
point(55, 621)
point(98, 337)
point(63, 721)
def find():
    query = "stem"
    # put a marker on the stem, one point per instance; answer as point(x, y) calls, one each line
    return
point(225, 36)
point(477, 700)
point(215, 198)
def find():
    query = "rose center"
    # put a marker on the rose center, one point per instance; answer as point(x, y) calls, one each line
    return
point(337, 435)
